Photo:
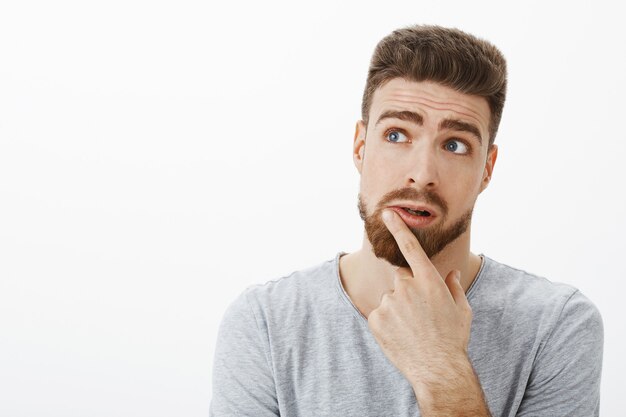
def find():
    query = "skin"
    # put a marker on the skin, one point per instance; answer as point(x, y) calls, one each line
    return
point(419, 315)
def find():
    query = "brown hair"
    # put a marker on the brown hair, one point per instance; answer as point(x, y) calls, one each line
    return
point(449, 57)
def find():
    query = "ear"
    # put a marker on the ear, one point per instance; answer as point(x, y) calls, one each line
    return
point(358, 147)
point(492, 155)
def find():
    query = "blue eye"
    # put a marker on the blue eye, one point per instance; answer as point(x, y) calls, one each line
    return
point(456, 146)
point(396, 137)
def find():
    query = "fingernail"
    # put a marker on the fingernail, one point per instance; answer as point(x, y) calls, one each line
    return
point(387, 216)
point(458, 276)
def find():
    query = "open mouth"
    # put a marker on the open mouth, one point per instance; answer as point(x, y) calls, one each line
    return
point(422, 213)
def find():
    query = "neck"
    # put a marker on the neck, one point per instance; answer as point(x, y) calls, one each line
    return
point(366, 277)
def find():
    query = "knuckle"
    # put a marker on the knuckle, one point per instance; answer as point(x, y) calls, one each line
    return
point(376, 317)
point(383, 297)
point(403, 285)
point(409, 245)
point(372, 318)
point(399, 279)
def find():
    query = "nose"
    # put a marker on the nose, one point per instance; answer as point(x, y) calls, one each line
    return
point(423, 171)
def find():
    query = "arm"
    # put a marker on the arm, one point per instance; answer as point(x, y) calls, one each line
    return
point(455, 389)
point(565, 380)
point(243, 381)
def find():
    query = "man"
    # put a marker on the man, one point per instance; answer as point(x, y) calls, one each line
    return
point(414, 323)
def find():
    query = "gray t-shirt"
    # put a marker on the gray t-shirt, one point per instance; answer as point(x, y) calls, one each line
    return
point(298, 346)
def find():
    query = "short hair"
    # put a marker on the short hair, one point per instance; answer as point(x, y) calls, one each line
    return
point(446, 56)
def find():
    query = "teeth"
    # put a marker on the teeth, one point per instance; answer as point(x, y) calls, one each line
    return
point(418, 212)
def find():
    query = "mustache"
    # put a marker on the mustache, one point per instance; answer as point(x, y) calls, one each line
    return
point(412, 194)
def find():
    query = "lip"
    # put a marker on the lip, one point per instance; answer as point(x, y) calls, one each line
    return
point(416, 222)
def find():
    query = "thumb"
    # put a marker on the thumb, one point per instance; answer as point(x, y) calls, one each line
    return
point(455, 287)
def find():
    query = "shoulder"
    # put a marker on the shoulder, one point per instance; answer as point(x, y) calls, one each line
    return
point(290, 295)
point(502, 291)
point(551, 331)
point(297, 286)
point(498, 284)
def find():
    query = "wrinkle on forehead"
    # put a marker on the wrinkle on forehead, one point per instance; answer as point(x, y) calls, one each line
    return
point(424, 94)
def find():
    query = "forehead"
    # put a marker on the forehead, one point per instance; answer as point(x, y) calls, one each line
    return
point(431, 100)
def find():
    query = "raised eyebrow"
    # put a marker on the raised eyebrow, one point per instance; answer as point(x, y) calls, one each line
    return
point(407, 115)
point(459, 125)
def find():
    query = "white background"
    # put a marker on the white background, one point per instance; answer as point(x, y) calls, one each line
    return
point(156, 158)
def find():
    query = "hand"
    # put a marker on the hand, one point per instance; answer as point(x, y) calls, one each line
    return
point(423, 326)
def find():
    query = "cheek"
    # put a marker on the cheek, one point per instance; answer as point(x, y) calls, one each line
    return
point(463, 185)
point(468, 172)
point(471, 181)
point(377, 179)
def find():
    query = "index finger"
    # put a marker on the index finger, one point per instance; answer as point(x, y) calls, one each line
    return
point(407, 242)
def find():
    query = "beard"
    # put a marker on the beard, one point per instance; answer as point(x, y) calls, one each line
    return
point(433, 239)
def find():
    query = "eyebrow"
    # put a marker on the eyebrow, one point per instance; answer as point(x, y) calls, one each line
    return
point(458, 125)
point(406, 115)
point(452, 124)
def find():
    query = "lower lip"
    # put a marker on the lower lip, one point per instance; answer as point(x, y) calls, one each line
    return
point(412, 220)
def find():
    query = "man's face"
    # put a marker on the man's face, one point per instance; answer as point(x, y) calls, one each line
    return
point(424, 154)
